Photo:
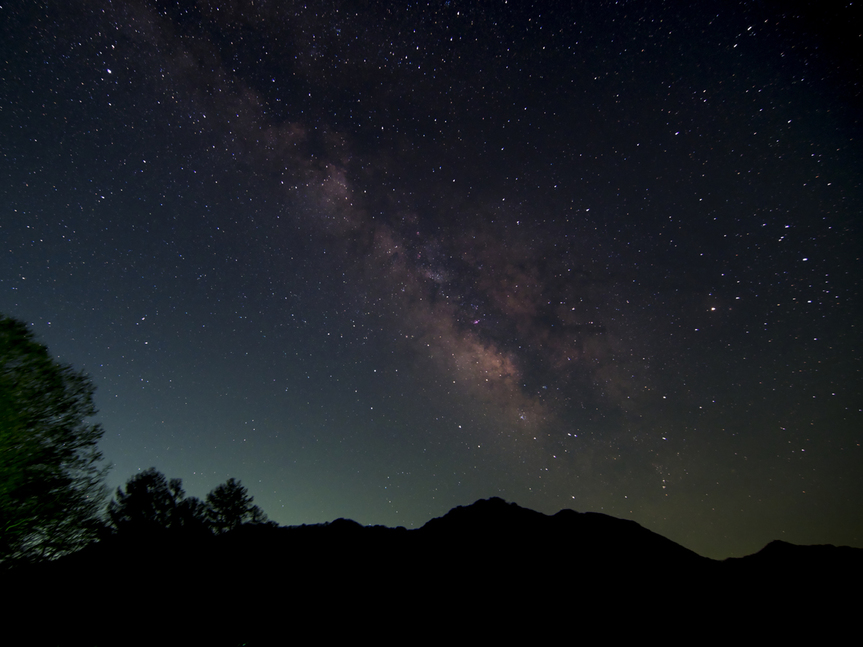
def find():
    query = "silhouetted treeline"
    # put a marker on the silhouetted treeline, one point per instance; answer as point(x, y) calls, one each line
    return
point(151, 504)
point(52, 490)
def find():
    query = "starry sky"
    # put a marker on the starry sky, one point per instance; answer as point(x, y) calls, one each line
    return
point(377, 259)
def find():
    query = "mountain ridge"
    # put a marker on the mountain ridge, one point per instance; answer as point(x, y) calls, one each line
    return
point(497, 566)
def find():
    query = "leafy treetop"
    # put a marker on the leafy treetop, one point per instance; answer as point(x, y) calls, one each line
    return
point(51, 486)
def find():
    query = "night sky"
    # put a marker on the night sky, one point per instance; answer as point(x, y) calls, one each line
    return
point(377, 259)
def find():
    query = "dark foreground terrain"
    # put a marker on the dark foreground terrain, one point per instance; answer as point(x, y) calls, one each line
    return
point(489, 571)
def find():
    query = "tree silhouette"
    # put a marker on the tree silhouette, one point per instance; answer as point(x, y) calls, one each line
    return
point(229, 505)
point(151, 503)
point(51, 488)
point(192, 515)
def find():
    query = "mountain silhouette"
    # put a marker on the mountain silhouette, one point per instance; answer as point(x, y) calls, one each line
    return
point(490, 570)
point(506, 525)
